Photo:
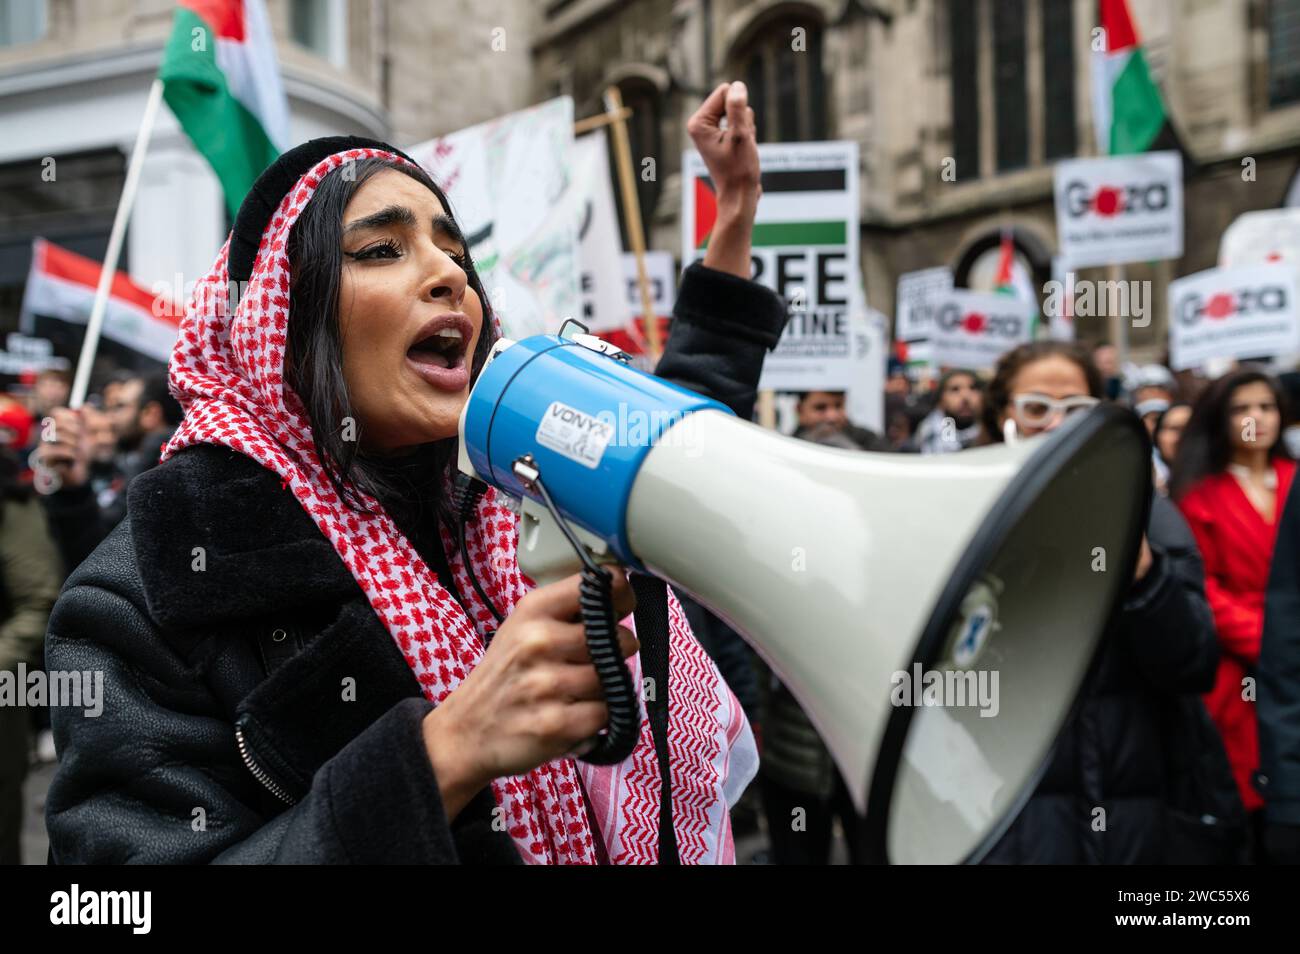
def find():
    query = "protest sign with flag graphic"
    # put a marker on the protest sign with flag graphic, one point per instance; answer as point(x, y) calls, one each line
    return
point(1248, 311)
point(1119, 209)
point(61, 291)
point(1127, 109)
point(220, 78)
point(973, 329)
point(805, 248)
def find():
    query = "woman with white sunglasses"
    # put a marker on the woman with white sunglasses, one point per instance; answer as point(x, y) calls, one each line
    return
point(1139, 769)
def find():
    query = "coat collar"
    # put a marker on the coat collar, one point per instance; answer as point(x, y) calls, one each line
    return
point(217, 538)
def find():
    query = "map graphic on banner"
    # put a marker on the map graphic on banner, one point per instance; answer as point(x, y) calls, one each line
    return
point(805, 249)
point(1244, 312)
point(973, 329)
point(507, 181)
point(1119, 209)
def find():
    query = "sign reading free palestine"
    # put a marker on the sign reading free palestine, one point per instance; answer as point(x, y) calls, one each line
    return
point(805, 248)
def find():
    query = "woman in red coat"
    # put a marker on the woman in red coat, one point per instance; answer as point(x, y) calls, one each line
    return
point(1231, 479)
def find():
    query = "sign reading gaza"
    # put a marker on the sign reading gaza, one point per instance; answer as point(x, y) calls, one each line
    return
point(1120, 209)
point(805, 248)
point(969, 329)
point(1244, 312)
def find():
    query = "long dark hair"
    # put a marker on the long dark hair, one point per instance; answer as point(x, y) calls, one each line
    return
point(314, 356)
point(1205, 449)
point(1011, 364)
point(1160, 423)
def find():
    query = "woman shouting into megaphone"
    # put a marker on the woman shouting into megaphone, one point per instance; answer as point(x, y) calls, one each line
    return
point(297, 667)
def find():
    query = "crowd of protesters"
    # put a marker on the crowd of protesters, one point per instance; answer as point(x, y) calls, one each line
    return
point(1187, 736)
point(1186, 745)
point(63, 479)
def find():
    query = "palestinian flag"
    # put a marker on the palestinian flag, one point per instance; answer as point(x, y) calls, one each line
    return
point(221, 80)
point(1012, 278)
point(1127, 109)
point(802, 207)
point(140, 326)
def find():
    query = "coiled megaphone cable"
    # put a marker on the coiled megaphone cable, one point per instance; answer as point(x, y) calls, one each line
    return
point(596, 605)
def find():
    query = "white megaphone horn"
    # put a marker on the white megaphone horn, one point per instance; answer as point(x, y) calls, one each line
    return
point(936, 616)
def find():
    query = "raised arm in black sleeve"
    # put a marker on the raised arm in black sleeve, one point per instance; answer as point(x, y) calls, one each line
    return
point(723, 327)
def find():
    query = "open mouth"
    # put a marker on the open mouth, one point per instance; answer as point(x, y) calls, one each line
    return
point(438, 352)
point(444, 348)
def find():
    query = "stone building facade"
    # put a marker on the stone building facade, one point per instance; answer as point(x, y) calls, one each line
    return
point(1000, 88)
point(75, 75)
point(997, 89)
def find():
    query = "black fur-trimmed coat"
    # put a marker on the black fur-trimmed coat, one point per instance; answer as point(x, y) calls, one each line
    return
point(256, 710)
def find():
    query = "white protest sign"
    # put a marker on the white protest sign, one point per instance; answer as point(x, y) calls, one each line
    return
point(630, 334)
point(1119, 209)
point(805, 247)
point(599, 243)
point(507, 181)
point(974, 329)
point(1060, 319)
point(662, 274)
point(1244, 312)
point(918, 293)
point(865, 401)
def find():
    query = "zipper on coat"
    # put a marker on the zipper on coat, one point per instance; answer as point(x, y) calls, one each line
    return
point(259, 773)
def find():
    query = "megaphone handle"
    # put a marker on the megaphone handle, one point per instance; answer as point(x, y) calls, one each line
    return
point(596, 599)
point(596, 605)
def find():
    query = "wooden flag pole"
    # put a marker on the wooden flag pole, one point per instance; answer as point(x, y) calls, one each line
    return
point(584, 126)
point(1118, 323)
point(81, 382)
point(632, 215)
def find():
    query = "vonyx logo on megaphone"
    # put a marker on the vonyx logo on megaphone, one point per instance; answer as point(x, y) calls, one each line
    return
point(1239, 302)
point(1108, 201)
point(951, 317)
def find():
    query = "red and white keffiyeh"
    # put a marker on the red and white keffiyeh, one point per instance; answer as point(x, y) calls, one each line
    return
point(227, 372)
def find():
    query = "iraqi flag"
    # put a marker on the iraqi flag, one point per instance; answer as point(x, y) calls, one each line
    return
point(140, 327)
point(221, 79)
point(1127, 109)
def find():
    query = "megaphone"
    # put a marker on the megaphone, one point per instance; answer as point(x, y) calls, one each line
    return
point(881, 588)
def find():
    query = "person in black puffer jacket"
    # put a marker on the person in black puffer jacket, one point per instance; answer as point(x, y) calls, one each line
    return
point(1139, 776)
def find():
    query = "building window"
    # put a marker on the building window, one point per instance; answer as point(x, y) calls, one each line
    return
point(642, 98)
point(76, 212)
point(322, 27)
point(994, 77)
point(21, 21)
point(965, 89)
point(1010, 95)
point(1283, 52)
point(1058, 79)
point(782, 66)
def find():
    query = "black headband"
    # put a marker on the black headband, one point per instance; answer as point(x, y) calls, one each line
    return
point(273, 185)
